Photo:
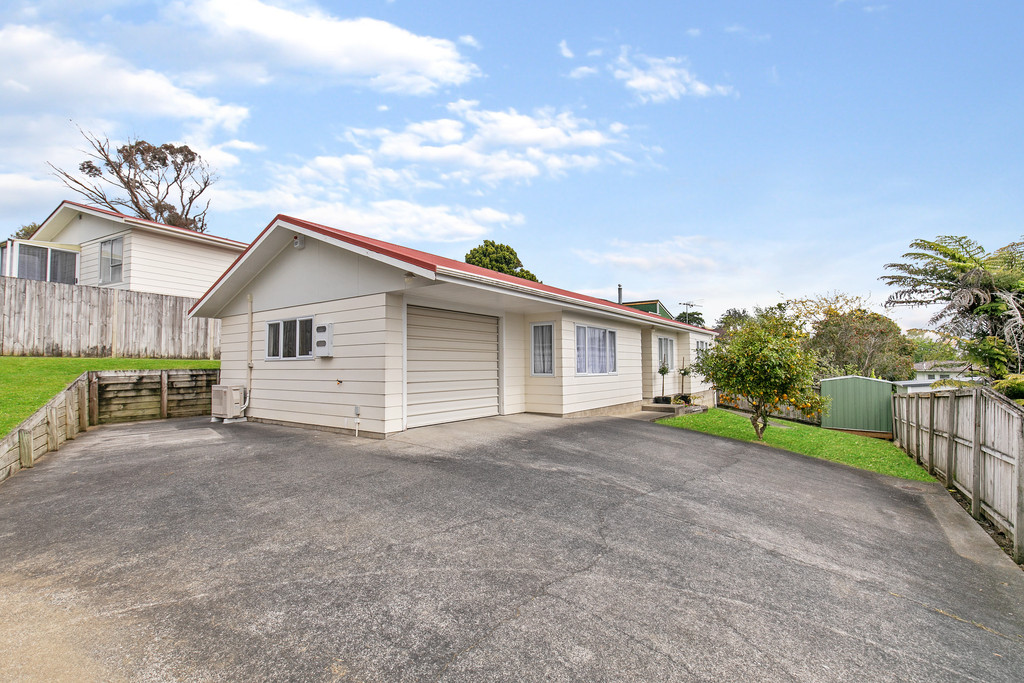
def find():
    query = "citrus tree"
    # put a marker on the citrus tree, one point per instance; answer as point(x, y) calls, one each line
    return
point(765, 362)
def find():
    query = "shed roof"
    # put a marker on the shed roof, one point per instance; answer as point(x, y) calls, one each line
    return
point(427, 262)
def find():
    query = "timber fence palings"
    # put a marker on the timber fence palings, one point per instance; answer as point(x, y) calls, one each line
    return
point(971, 440)
point(53, 319)
point(105, 397)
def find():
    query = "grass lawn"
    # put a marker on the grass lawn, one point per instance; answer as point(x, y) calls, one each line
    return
point(876, 455)
point(26, 384)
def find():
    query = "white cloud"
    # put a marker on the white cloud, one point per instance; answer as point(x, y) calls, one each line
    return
point(659, 79)
point(737, 29)
point(470, 41)
point(563, 48)
point(676, 252)
point(693, 32)
point(490, 146)
point(583, 72)
point(56, 74)
point(362, 51)
point(396, 220)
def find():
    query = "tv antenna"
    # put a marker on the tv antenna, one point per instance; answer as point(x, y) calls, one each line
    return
point(689, 305)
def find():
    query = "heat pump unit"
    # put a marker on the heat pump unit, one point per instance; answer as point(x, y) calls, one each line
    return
point(227, 401)
point(323, 340)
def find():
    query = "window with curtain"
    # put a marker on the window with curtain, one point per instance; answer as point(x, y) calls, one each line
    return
point(595, 350)
point(542, 348)
point(31, 262)
point(62, 266)
point(666, 352)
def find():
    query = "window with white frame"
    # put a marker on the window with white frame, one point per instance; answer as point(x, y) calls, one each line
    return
point(111, 259)
point(703, 345)
point(666, 352)
point(38, 262)
point(542, 349)
point(290, 338)
point(595, 350)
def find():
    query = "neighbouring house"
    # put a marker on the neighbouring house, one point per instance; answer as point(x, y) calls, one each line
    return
point(652, 306)
point(79, 244)
point(934, 370)
point(328, 328)
point(927, 373)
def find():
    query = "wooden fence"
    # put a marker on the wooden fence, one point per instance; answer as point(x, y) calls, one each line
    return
point(53, 319)
point(101, 398)
point(973, 440)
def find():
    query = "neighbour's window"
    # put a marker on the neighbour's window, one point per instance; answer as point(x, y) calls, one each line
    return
point(595, 351)
point(31, 262)
point(3, 259)
point(666, 352)
point(111, 252)
point(542, 348)
point(292, 338)
point(63, 265)
point(931, 376)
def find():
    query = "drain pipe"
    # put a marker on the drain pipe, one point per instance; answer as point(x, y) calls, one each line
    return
point(248, 358)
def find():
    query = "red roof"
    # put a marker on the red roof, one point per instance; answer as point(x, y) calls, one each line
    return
point(432, 262)
point(136, 219)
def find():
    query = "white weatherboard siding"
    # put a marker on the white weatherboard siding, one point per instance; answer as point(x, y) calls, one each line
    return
point(452, 366)
point(588, 392)
point(89, 260)
point(695, 383)
point(543, 394)
point(367, 359)
point(515, 363)
point(174, 266)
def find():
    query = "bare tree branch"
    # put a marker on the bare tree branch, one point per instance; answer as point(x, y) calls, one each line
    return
point(159, 183)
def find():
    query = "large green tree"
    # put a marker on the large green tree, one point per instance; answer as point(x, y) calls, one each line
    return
point(692, 318)
point(929, 346)
point(869, 343)
point(499, 257)
point(25, 231)
point(764, 361)
point(163, 183)
point(981, 295)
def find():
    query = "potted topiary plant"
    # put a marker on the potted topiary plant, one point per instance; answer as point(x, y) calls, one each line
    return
point(663, 370)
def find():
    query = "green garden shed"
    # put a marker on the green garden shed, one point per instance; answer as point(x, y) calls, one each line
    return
point(862, 405)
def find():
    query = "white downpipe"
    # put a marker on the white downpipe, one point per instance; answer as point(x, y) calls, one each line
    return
point(248, 358)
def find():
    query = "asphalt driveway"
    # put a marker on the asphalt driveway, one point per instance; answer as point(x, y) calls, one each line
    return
point(520, 548)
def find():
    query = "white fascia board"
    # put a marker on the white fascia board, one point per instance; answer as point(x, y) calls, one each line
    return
point(522, 291)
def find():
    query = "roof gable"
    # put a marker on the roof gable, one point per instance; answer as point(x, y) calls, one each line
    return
point(67, 211)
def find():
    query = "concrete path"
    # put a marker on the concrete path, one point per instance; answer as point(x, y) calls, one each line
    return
point(507, 549)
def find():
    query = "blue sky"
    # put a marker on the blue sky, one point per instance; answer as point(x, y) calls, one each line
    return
point(729, 153)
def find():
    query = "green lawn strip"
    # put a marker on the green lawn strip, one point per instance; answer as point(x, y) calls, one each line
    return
point(27, 383)
point(876, 455)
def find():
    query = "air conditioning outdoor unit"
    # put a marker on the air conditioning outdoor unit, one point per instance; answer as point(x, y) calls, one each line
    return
point(227, 402)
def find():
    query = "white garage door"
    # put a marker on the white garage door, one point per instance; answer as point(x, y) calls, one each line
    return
point(452, 366)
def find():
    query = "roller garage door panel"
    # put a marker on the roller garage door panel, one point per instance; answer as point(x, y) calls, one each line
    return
point(451, 366)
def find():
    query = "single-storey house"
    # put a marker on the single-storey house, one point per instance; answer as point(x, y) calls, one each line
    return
point(934, 370)
point(85, 245)
point(328, 328)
